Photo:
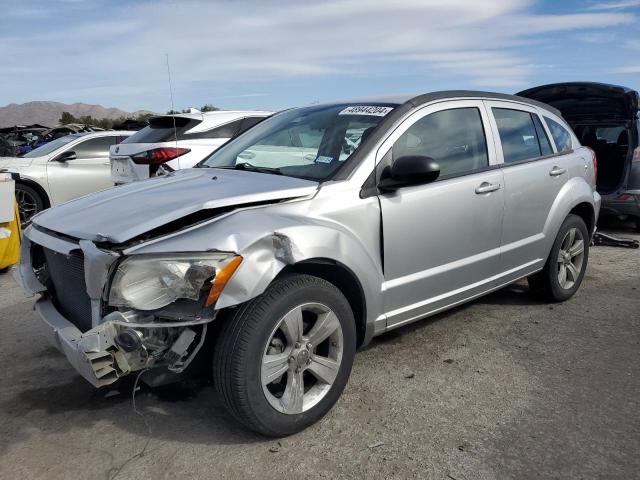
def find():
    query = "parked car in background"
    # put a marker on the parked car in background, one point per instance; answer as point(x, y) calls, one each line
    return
point(606, 119)
point(7, 149)
point(288, 267)
point(173, 142)
point(62, 169)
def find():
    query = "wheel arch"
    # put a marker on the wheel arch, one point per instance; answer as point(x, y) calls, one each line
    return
point(344, 279)
point(576, 197)
point(38, 188)
point(585, 211)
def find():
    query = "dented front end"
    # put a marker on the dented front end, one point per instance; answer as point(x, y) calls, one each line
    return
point(104, 342)
point(111, 319)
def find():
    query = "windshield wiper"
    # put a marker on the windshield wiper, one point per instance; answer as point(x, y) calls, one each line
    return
point(254, 168)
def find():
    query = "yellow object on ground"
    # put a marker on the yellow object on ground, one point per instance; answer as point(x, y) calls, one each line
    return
point(10, 238)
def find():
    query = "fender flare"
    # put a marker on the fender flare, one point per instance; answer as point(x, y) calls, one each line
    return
point(30, 182)
point(573, 193)
point(268, 244)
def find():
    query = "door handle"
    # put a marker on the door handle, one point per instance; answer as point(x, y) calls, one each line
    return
point(556, 171)
point(486, 187)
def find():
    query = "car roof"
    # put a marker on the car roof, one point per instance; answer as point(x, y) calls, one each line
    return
point(102, 133)
point(417, 99)
point(220, 115)
point(216, 118)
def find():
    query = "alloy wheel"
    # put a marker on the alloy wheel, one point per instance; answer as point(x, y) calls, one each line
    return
point(302, 358)
point(27, 205)
point(570, 258)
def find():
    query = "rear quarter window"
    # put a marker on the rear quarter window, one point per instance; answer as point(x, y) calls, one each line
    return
point(249, 122)
point(560, 134)
point(228, 130)
point(163, 129)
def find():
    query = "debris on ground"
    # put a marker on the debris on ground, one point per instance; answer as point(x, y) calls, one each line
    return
point(376, 445)
point(275, 448)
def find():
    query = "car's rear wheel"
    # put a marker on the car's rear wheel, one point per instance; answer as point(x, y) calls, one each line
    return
point(29, 201)
point(567, 262)
point(282, 360)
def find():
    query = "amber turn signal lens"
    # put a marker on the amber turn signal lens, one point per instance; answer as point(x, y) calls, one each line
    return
point(222, 278)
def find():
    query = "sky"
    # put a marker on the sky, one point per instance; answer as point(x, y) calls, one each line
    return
point(275, 54)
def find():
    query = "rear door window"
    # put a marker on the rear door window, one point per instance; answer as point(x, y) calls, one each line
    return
point(560, 135)
point(518, 135)
point(454, 138)
point(94, 147)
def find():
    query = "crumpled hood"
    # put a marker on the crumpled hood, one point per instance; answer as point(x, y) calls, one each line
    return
point(14, 162)
point(121, 213)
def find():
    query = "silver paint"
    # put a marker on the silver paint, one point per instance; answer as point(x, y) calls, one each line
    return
point(443, 243)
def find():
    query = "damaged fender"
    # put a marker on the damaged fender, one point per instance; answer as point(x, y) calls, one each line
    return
point(271, 240)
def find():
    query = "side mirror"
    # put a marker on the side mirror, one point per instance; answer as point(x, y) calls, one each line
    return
point(65, 156)
point(409, 170)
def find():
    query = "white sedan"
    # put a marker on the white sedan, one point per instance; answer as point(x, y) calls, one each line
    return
point(63, 169)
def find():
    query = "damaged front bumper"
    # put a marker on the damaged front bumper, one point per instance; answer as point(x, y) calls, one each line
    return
point(92, 353)
point(96, 355)
point(103, 345)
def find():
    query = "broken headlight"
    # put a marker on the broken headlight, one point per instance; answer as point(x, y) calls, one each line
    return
point(150, 282)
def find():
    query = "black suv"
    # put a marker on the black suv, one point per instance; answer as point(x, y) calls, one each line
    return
point(605, 118)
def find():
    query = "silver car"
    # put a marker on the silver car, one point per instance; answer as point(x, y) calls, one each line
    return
point(276, 273)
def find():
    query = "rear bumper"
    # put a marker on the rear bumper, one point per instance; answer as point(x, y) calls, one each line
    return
point(612, 205)
point(124, 171)
point(87, 352)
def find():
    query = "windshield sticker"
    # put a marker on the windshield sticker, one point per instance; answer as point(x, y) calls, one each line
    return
point(323, 159)
point(366, 110)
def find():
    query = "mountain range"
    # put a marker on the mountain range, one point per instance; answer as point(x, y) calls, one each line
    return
point(48, 113)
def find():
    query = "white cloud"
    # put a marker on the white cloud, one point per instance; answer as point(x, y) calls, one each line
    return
point(615, 5)
point(230, 42)
point(628, 69)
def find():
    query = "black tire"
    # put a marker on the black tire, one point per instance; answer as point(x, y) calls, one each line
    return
point(546, 283)
point(29, 201)
point(240, 346)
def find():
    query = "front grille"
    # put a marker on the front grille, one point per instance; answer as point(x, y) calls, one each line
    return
point(70, 297)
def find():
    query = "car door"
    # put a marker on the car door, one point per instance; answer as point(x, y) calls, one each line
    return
point(441, 240)
point(534, 174)
point(88, 172)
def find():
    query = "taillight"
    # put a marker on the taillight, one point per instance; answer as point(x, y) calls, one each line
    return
point(636, 155)
point(625, 198)
point(158, 156)
point(595, 164)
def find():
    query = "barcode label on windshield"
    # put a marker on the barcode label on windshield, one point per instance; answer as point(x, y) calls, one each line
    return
point(366, 110)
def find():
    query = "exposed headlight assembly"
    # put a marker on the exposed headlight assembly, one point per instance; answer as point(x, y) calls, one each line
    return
point(149, 282)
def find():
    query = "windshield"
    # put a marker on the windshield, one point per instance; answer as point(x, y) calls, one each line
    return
point(53, 145)
point(311, 142)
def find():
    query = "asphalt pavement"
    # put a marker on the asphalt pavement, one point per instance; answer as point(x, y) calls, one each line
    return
point(504, 387)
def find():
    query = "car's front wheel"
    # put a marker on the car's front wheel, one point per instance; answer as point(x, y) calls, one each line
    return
point(567, 262)
point(29, 202)
point(282, 360)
